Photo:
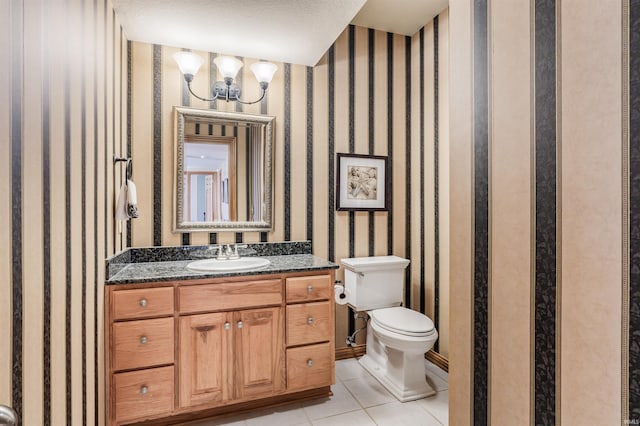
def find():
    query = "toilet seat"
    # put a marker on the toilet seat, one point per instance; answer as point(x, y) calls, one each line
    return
point(403, 321)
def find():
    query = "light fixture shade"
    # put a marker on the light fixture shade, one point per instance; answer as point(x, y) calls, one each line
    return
point(264, 71)
point(189, 63)
point(228, 66)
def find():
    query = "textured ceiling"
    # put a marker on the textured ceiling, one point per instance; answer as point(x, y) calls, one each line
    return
point(294, 31)
point(398, 16)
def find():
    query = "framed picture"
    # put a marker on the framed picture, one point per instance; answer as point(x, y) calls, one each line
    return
point(361, 182)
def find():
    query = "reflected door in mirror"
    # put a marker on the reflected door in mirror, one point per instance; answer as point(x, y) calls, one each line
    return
point(209, 179)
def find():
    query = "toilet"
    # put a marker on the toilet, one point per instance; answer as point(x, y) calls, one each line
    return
point(397, 337)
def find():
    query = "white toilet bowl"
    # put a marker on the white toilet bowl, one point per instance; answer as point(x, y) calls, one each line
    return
point(397, 339)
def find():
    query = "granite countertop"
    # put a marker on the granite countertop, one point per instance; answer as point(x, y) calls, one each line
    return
point(138, 266)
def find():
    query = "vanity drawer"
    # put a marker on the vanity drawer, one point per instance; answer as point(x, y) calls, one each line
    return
point(308, 323)
point(304, 289)
point(143, 394)
point(225, 296)
point(143, 343)
point(141, 303)
point(309, 366)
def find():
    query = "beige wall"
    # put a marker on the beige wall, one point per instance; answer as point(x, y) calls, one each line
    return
point(591, 211)
point(323, 242)
point(589, 99)
point(461, 237)
point(511, 216)
point(78, 42)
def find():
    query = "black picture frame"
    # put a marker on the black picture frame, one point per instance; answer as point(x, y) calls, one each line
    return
point(361, 182)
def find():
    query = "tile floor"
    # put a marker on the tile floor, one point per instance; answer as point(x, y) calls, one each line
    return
point(358, 399)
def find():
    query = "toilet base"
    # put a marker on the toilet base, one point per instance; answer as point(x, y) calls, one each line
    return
point(399, 388)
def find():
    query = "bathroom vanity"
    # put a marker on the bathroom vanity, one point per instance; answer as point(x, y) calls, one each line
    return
point(182, 345)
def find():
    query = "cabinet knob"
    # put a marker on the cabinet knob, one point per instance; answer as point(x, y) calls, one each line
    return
point(240, 324)
point(143, 390)
point(227, 326)
point(310, 320)
point(309, 289)
point(143, 303)
point(143, 340)
point(310, 362)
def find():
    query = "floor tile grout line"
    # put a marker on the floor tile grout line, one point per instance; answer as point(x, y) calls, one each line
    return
point(353, 395)
point(425, 409)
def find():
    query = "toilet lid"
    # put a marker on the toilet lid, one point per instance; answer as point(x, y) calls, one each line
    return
point(403, 321)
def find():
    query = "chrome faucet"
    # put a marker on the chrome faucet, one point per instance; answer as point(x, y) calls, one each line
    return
point(229, 251)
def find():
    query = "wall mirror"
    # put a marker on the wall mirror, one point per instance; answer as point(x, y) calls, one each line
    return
point(223, 174)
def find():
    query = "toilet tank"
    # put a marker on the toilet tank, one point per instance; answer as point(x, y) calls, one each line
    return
point(374, 282)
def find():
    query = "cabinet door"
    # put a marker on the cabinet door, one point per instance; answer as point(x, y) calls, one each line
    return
point(205, 356)
point(259, 356)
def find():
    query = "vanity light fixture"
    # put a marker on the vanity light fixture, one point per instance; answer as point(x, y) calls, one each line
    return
point(189, 64)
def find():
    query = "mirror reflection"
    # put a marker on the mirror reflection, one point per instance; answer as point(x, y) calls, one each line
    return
point(209, 180)
point(223, 170)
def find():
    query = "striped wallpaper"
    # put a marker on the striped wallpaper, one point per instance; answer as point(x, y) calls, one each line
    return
point(543, 212)
point(372, 93)
point(481, 194)
point(62, 115)
point(631, 222)
point(76, 92)
point(547, 208)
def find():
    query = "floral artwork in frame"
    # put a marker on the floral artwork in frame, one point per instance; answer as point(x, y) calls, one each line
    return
point(361, 182)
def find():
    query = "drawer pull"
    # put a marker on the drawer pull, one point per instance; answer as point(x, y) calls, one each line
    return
point(310, 320)
point(144, 390)
point(143, 340)
point(309, 289)
point(310, 362)
point(227, 326)
point(143, 303)
point(240, 324)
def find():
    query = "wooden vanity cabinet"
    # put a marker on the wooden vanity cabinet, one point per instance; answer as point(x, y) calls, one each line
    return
point(183, 350)
point(310, 332)
point(205, 354)
point(259, 353)
point(140, 356)
point(230, 356)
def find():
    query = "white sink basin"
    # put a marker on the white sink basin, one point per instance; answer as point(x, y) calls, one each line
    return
point(215, 265)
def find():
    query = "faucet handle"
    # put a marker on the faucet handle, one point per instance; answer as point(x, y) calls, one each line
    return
point(221, 255)
point(234, 254)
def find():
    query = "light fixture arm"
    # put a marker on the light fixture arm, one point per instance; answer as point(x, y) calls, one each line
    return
point(188, 80)
point(189, 64)
point(263, 86)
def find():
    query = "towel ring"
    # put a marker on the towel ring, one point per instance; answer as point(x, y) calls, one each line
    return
point(128, 167)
